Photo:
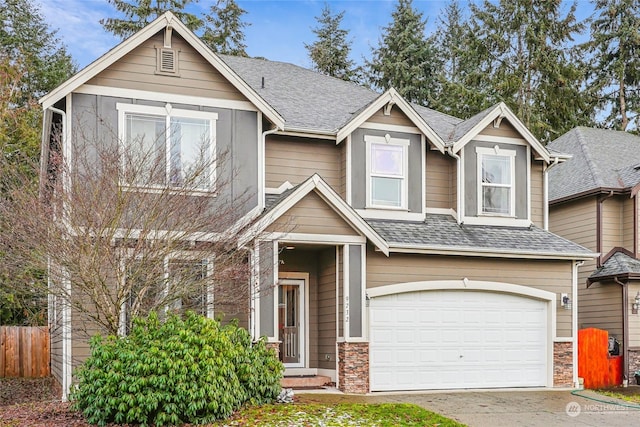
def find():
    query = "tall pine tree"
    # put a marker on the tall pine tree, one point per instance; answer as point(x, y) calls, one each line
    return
point(138, 13)
point(224, 31)
point(405, 59)
point(528, 61)
point(615, 44)
point(330, 52)
point(459, 92)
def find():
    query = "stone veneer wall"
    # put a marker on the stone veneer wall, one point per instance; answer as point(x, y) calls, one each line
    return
point(563, 364)
point(353, 367)
point(275, 346)
point(634, 363)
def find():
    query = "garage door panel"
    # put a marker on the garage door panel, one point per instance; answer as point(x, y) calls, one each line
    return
point(454, 339)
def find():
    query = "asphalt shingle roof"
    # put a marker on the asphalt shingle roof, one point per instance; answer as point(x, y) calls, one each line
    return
point(601, 159)
point(443, 231)
point(312, 101)
point(619, 264)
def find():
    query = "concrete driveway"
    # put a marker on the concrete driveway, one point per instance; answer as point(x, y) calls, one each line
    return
point(515, 407)
point(523, 408)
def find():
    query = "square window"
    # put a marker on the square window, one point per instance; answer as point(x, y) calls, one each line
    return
point(496, 181)
point(387, 172)
point(166, 147)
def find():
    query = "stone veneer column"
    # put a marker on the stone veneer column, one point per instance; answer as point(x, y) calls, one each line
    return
point(634, 363)
point(562, 364)
point(275, 346)
point(353, 367)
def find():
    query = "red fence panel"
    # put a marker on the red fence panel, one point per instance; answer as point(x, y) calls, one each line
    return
point(598, 369)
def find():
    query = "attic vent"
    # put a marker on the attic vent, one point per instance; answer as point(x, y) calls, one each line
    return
point(167, 61)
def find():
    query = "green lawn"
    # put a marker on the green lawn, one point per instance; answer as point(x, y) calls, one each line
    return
point(338, 414)
point(628, 396)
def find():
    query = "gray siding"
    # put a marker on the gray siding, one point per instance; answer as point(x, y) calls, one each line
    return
point(267, 289)
point(95, 119)
point(471, 177)
point(359, 168)
point(355, 291)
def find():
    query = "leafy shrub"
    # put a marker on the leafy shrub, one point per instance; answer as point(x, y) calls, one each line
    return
point(177, 371)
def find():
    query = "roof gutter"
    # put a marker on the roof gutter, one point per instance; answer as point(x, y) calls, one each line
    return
point(487, 252)
point(449, 150)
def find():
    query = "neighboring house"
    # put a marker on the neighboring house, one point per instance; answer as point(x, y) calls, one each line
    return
point(593, 201)
point(399, 248)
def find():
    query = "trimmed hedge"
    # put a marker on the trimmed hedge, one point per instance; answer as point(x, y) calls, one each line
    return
point(177, 371)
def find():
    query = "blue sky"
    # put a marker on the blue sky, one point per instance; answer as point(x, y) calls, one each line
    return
point(278, 31)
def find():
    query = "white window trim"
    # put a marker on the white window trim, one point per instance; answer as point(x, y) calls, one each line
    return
point(404, 188)
point(177, 255)
point(496, 151)
point(167, 112)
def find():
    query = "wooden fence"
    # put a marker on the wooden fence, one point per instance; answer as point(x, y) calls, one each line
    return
point(24, 351)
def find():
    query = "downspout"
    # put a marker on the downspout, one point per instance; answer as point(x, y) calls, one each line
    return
point(545, 189)
point(625, 332)
point(449, 150)
point(574, 320)
point(263, 177)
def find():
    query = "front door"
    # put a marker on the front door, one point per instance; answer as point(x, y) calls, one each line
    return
point(291, 322)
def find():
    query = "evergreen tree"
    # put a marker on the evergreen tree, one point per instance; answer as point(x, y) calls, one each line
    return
point(405, 59)
point(527, 61)
point(33, 61)
point(224, 28)
point(615, 44)
point(138, 13)
point(460, 94)
point(330, 52)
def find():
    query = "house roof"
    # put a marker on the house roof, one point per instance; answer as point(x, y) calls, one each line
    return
point(620, 264)
point(278, 205)
point(442, 234)
point(601, 160)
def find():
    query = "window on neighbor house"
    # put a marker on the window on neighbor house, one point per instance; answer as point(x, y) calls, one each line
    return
point(496, 189)
point(167, 147)
point(386, 172)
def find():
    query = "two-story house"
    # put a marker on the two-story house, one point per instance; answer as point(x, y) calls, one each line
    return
point(393, 247)
point(593, 201)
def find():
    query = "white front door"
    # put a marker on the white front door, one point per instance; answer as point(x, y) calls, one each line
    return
point(291, 322)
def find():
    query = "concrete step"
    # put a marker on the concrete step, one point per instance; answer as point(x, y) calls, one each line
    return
point(304, 381)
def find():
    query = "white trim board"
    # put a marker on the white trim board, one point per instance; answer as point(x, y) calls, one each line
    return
point(165, 97)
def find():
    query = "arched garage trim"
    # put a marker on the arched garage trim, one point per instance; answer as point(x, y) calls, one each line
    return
point(479, 285)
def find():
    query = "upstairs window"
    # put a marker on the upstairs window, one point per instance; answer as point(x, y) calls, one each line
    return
point(496, 184)
point(386, 172)
point(166, 147)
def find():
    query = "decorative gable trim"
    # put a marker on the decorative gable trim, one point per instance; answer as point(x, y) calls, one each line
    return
point(168, 19)
point(391, 98)
point(495, 117)
point(317, 184)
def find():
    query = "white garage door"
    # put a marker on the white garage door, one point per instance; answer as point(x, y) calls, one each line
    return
point(457, 339)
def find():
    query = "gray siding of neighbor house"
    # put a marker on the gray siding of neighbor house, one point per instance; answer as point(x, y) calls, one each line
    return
point(95, 118)
point(471, 177)
point(359, 167)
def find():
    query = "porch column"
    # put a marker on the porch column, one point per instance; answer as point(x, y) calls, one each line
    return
point(353, 352)
point(266, 289)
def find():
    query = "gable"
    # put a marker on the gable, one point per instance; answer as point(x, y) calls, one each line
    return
point(396, 117)
point(312, 215)
point(197, 77)
point(505, 130)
